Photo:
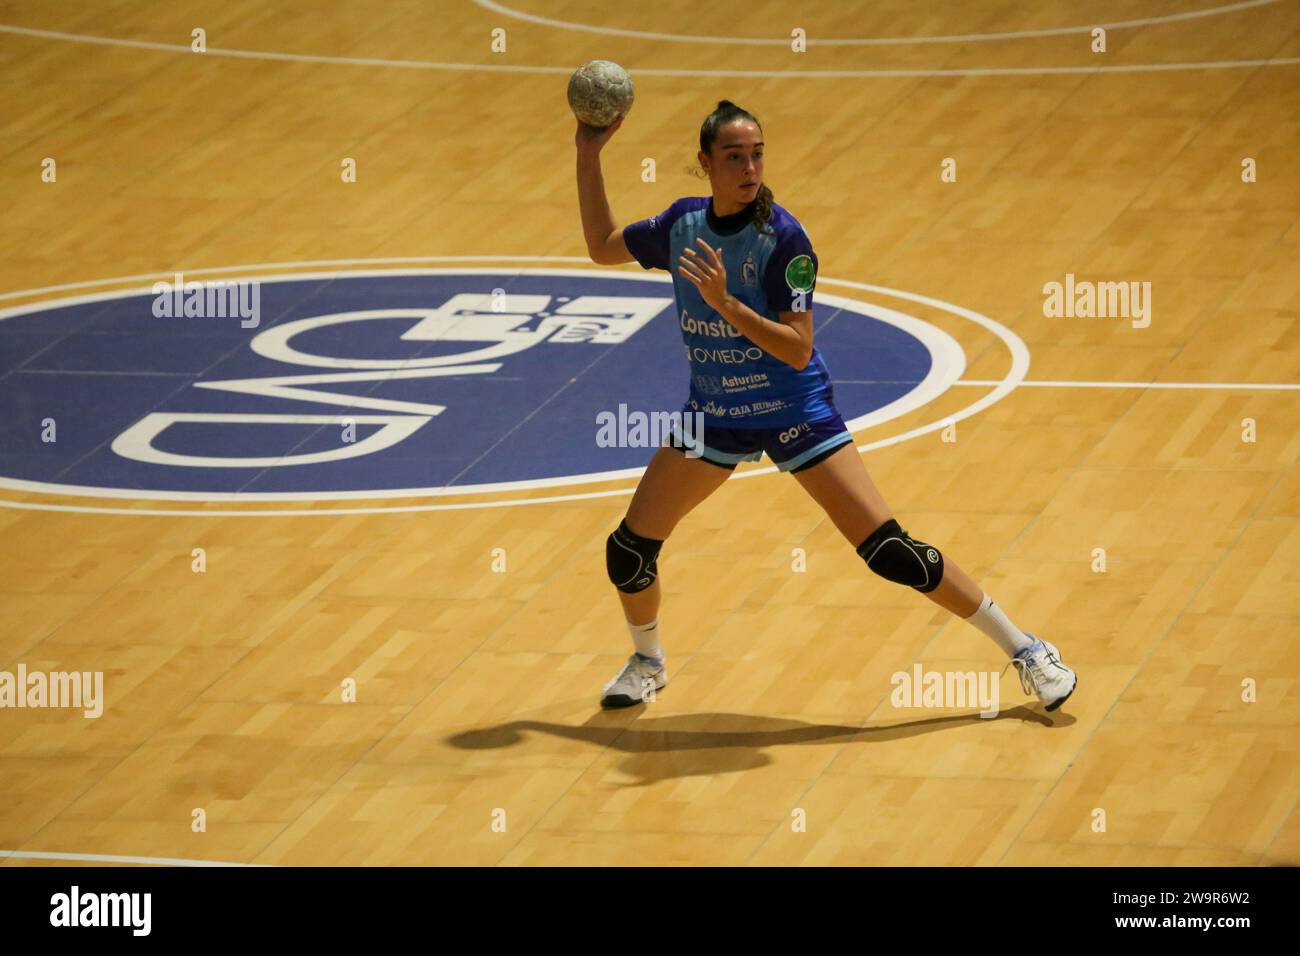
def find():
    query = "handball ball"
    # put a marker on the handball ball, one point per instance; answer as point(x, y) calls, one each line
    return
point(599, 91)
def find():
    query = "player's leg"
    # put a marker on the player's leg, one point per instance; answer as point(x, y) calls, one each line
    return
point(841, 485)
point(669, 490)
point(845, 491)
point(672, 485)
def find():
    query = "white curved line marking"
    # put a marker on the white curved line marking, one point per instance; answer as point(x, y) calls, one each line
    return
point(502, 9)
point(643, 71)
point(948, 361)
point(308, 513)
point(1015, 345)
point(934, 335)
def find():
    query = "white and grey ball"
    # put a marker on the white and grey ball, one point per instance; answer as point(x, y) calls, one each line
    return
point(598, 91)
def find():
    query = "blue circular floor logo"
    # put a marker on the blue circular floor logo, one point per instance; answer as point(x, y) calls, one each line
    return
point(380, 383)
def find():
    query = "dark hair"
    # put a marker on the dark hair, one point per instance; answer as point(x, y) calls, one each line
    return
point(729, 112)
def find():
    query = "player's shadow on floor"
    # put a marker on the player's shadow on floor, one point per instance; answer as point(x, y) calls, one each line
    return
point(690, 745)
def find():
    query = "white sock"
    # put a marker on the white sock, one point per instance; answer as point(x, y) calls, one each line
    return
point(990, 619)
point(646, 638)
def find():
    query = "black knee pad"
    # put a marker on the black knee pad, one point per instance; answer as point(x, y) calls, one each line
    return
point(895, 556)
point(630, 559)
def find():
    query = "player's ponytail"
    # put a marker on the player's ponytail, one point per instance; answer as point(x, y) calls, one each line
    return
point(729, 112)
point(763, 207)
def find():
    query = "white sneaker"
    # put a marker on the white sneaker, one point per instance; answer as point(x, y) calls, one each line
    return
point(635, 684)
point(1043, 674)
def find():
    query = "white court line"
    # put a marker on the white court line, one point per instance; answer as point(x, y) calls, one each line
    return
point(501, 8)
point(641, 71)
point(111, 858)
point(605, 494)
point(1283, 386)
point(310, 513)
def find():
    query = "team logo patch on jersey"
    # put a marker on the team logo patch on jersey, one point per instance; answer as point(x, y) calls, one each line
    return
point(799, 274)
point(749, 271)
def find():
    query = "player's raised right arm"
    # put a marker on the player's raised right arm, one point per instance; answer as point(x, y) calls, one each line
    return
point(605, 242)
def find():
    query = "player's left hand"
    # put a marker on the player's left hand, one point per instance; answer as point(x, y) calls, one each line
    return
point(707, 272)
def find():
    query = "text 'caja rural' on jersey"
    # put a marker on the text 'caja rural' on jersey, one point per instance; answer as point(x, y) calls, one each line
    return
point(734, 383)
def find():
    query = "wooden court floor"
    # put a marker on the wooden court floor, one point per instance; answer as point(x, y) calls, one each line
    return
point(475, 735)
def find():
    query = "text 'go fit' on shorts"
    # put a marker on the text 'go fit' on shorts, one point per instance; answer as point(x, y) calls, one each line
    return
point(792, 448)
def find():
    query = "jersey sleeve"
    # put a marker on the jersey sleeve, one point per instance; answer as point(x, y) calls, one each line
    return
point(647, 239)
point(791, 273)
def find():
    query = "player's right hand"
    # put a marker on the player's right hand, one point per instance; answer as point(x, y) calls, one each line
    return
point(590, 139)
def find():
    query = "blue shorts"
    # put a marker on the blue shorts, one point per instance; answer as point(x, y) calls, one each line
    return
point(792, 448)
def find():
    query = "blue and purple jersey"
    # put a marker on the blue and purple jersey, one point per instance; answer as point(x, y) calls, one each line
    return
point(734, 382)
